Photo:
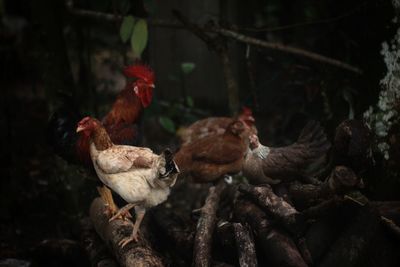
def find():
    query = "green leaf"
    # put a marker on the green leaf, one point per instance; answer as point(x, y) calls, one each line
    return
point(187, 67)
point(167, 124)
point(139, 37)
point(189, 101)
point(126, 28)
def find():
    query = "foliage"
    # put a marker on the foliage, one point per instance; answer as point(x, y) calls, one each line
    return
point(384, 115)
point(126, 29)
point(167, 124)
point(182, 110)
point(139, 37)
point(187, 67)
point(137, 32)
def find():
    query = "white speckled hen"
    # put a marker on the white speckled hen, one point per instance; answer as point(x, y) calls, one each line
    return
point(140, 177)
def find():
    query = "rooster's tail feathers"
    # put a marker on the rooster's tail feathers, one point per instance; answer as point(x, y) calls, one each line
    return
point(61, 133)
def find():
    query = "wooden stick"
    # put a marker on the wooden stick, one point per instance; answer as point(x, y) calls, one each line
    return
point(245, 246)
point(205, 226)
point(133, 254)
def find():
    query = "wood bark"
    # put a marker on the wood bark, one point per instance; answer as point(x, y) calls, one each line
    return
point(340, 181)
point(173, 234)
point(133, 254)
point(277, 248)
point(206, 225)
point(358, 243)
point(245, 246)
point(277, 207)
point(96, 249)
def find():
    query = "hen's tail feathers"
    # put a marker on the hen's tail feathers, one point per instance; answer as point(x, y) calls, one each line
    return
point(314, 138)
point(61, 132)
point(170, 165)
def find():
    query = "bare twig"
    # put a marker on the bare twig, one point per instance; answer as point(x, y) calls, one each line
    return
point(285, 48)
point(206, 225)
point(302, 24)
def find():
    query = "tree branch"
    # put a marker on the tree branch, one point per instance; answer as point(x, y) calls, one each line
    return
point(224, 32)
point(133, 254)
point(285, 48)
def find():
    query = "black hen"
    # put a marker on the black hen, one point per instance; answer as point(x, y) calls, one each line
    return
point(300, 160)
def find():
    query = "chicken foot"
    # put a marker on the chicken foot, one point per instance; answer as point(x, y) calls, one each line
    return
point(106, 195)
point(134, 235)
point(123, 213)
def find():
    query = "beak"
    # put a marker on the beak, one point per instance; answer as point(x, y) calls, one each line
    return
point(251, 118)
point(80, 128)
point(152, 85)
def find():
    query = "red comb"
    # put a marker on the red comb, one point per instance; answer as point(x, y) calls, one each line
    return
point(246, 111)
point(140, 71)
point(84, 120)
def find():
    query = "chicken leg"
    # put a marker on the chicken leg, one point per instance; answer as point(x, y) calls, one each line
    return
point(140, 211)
point(123, 212)
point(106, 195)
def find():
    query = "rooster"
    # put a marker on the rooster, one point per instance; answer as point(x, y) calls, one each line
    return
point(214, 126)
point(140, 177)
point(209, 158)
point(120, 123)
point(271, 165)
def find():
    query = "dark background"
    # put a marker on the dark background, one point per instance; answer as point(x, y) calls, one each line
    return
point(46, 52)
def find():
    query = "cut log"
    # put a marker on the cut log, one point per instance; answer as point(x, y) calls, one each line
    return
point(331, 217)
point(277, 248)
point(173, 235)
point(133, 254)
point(340, 181)
point(277, 207)
point(363, 243)
point(96, 249)
point(206, 225)
point(245, 246)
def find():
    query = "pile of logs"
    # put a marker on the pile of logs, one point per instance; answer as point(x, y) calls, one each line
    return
point(330, 224)
point(292, 224)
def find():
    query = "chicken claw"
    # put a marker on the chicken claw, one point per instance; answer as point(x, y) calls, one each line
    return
point(127, 240)
point(123, 213)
